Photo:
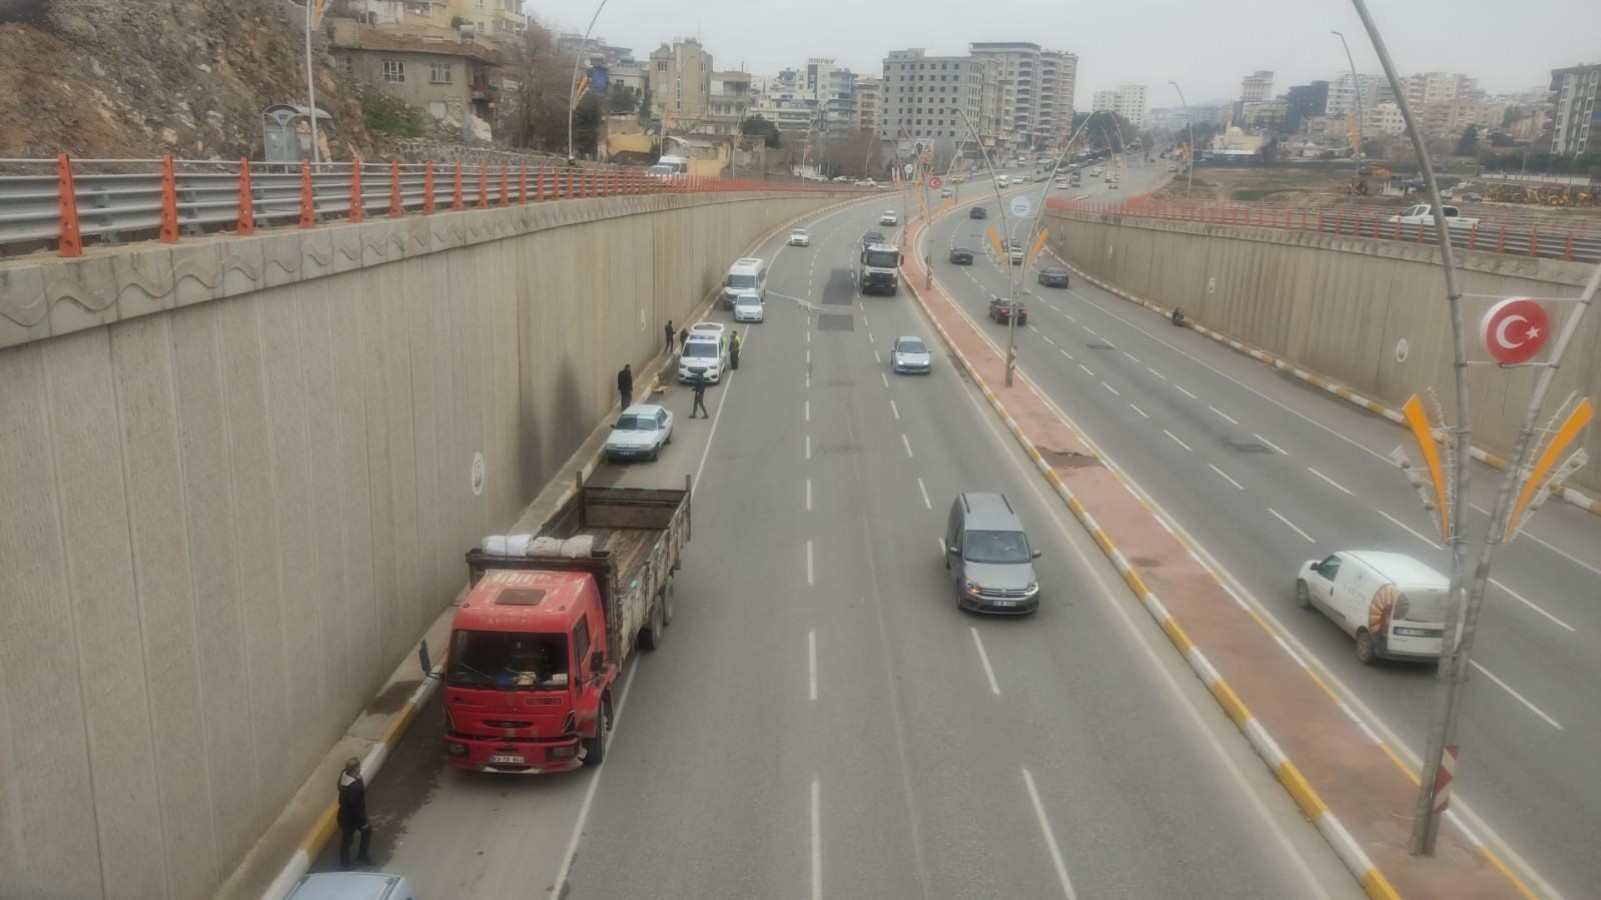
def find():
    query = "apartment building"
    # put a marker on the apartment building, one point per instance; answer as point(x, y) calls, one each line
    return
point(1257, 86)
point(1058, 81)
point(729, 104)
point(447, 78)
point(833, 87)
point(866, 92)
point(500, 22)
point(1350, 90)
point(1127, 101)
point(1576, 115)
point(924, 98)
point(681, 82)
point(1018, 67)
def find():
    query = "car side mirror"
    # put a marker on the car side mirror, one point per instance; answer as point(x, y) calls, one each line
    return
point(1036, 554)
point(952, 550)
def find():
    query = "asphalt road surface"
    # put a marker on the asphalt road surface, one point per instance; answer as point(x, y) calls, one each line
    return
point(1264, 472)
point(821, 720)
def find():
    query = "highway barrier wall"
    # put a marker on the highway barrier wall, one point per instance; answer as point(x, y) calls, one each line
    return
point(1368, 313)
point(239, 473)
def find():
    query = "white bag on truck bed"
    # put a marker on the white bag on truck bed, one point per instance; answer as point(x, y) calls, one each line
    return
point(507, 544)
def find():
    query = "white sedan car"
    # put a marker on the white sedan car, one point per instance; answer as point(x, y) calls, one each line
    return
point(910, 354)
point(888, 218)
point(749, 308)
point(800, 237)
point(641, 432)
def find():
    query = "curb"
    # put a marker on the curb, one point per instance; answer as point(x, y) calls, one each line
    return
point(1574, 497)
point(1345, 846)
point(312, 844)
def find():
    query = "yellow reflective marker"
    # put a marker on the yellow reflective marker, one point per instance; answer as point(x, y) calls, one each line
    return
point(1039, 243)
point(999, 250)
point(1419, 420)
point(1559, 442)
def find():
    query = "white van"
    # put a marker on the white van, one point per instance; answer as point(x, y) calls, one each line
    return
point(748, 275)
point(1393, 605)
point(351, 886)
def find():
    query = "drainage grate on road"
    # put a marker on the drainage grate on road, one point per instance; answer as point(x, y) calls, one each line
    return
point(840, 290)
point(835, 322)
point(1246, 446)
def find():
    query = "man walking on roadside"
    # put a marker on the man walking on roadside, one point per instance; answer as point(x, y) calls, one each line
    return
point(353, 815)
point(625, 385)
point(670, 332)
point(733, 351)
point(700, 397)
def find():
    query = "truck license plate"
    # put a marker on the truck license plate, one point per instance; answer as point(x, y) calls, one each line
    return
point(505, 759)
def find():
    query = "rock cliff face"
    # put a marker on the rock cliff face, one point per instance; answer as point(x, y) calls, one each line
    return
point(139, 78)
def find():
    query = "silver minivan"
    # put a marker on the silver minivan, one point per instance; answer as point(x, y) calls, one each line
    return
point(989, 557)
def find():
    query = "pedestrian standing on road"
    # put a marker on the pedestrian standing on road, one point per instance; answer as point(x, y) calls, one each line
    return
point(625, 385)
point(670, 332)
point(700, 396)
point(683, 337)
point(353, 815)
point(733, 351)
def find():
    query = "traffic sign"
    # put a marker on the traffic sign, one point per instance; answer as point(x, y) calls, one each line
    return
point(935, 182)
point(1514, 330)
point(1021, 206)
point(910, 169)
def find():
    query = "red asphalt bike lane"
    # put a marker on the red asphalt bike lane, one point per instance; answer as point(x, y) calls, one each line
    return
point(1335, 765)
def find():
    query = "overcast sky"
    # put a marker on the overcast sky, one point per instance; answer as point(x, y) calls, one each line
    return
point(1205, 45)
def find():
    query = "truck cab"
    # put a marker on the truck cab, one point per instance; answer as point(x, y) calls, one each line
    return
point(881, 269)
point(527, 672)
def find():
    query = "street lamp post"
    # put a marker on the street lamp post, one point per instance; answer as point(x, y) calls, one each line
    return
point(1189, 158)
point(572, 88)
point(311, 82)
point(1356, 86)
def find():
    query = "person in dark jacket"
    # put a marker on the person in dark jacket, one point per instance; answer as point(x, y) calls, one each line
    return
point(625, 385)
point(670, 332)
point(353, 814)
point(733, 351)
point(699, 385)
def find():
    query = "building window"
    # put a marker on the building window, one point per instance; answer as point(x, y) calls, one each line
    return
point(661, 65)
point(439, 73)
point(394, 70)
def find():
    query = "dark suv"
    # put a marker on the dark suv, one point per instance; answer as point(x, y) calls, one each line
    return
point(961, 256)
point(978, 212)
point(1053, 277)
point(1001, 310)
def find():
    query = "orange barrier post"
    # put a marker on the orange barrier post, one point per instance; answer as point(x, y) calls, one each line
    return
point(69, 240)
point(355, 212)
point(169, 202)
point(1567, 252)
point(1534, 240)
point(1500, 244)
point(428, 189)
point(522, 186)
point(308, 201)
point(505, 192)
point(1473, 237)
point(455, 199)
point(395, 210)
point(247, 208)
point(483, 185)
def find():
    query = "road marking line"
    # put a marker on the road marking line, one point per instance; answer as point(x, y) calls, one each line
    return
point(1050, 838)
point(811, 661)
point(1067, 354)
point(920, 487)
point(809, 561)
point(808, 410)
point(895, 409)
point(1546, 544)
point(1110, 388)
point(1140, 411)
point(1292, 525)
point(1269, 443)
point(995, 686)
point(1175, 439)
point(1330, 481)
point(869, 335)
point(864, 325)
point(1225, 478)
point(1156, 373)
point(808, 495)
point(808, 356)
point(907, 444)
point(1521, 599)
point(1090, 331)
point(876, 358)
point(817, 840)
point(941, 546)
point(1132, 357)
point(1519, 697)
point(589, 793)
point(1186, 392)
point(808, 446)
point(1070, 318)
point(1415, 533)
point(1046, 338)
point(1086, 370)
point(885, 377)
point(1226, 417)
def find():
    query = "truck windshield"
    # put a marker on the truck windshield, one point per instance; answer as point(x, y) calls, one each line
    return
point(741, 281)
point(998, 547)
point(497, 659)
point(883, 259)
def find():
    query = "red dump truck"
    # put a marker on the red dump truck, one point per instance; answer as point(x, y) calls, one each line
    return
point(538, 644)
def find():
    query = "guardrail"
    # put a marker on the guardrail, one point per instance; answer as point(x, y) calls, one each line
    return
point(71, 201)
point(1518, 237)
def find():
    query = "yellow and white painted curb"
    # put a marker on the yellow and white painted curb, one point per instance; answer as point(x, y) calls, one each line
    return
point(1582, 501)
point(1343, 843)
point(327, 821)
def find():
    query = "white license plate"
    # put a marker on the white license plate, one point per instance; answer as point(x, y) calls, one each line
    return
point(505, 759)
point(1005, 602)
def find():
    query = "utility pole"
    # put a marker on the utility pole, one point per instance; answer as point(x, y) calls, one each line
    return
point(1189, 157)
point(1356, 85)
point(311, 81)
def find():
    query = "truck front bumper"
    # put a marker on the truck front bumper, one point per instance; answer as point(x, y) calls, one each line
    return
point(519, 757)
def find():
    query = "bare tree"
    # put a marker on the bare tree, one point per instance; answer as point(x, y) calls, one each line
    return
point(535, 114)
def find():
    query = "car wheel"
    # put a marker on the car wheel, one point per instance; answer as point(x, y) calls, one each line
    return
point(1303, 599)
point(650, 636)
point(595, 747)
point(1366, 653)
point(656, 453)
point(668, 590)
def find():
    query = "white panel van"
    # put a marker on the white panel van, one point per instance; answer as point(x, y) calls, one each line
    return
point(745, 276)
point(1392, 605)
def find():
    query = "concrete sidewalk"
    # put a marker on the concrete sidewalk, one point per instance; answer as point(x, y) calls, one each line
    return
point(1347, 781)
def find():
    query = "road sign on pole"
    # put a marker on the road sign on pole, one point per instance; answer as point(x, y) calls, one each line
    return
point(1514, 330)
point(1021, 206)
point(935, 182)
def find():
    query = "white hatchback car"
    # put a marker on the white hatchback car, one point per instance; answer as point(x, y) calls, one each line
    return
point(910, 354)
point(749, 308)
point(888, 218)
point(641, 432)
point(800, 237)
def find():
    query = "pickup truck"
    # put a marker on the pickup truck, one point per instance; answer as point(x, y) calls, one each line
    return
point(1423, 214)
point(539, 642)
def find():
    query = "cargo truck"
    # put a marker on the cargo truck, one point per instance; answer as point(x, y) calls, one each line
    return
point(538, 644)
point(881, 272)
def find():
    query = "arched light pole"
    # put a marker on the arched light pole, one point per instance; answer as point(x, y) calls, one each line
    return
point(1189, 158)
point(572, 88)
point(1356, 86)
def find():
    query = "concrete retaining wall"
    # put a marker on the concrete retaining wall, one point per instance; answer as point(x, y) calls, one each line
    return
point(1341, 305)
point(237, 483)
